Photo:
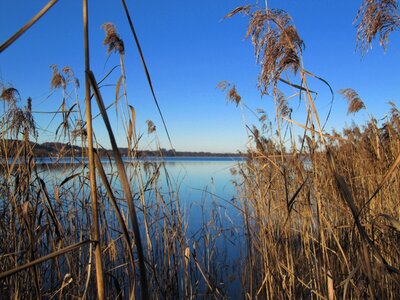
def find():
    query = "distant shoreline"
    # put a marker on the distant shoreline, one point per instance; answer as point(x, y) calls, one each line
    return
point(157, 159)
point(53, 149)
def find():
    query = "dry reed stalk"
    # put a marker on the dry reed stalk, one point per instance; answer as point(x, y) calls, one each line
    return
point(125, 185)
point(92, 174)
point(43, 259)
point(114, 203)
point(20, 32)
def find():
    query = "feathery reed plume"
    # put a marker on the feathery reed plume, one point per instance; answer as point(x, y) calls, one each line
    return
point(223, 85)
point(277, 44)
point(376, 17)
point(150, 127)
point(70, 76)
point(29, 121)
point(10, 95)
point(262, 118)
point(57, 80)
point(354, 101)
point(282, 104)
point(112, 39)
point(394, 115)
point(232, 94)
point(17, 117)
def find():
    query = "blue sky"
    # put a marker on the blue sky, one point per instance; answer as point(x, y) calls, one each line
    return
point(189, 49)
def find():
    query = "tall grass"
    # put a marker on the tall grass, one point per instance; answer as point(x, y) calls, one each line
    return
point(320, 213)
point(95, 228)
point(321, 218)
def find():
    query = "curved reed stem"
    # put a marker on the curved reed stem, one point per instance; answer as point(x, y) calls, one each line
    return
point(125, 184)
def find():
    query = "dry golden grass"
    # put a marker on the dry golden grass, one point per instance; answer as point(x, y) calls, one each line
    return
point(376, 17)
point(319, 221)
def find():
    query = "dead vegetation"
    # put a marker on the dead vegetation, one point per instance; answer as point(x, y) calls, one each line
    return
point(320, 214)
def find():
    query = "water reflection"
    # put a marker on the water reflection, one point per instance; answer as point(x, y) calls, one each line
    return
point(200, 183)
point(203, 187)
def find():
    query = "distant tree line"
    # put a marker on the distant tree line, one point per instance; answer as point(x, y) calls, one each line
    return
point(11, 147)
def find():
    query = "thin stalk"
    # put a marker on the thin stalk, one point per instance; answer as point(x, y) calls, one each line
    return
point(125, 184)
point(43, 259)
point(146, 70)
point(92, 174)
point(118, 213)
point(28, 25)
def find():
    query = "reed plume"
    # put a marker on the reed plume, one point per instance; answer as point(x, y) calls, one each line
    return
point(150, 127)
point(112, 40)
point(232, 95)
point(354, 101)
point(276, 41)
point(57, 80)
point(282, 103)
point(376, 17)
point(10, 95)
point(394, 114)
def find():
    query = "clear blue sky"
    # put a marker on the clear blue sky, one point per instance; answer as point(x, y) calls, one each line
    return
point(189, 48)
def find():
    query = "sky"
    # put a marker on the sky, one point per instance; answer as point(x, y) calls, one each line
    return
point(189, 48)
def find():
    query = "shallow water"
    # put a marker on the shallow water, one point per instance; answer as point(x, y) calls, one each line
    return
point(203, 186)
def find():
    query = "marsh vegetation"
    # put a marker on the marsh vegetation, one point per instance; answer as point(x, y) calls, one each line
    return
point(318, 214)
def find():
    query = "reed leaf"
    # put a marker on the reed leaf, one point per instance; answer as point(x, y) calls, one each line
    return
point(146, 69)
point(117, 93)
point(125, 184)
point(118, 213)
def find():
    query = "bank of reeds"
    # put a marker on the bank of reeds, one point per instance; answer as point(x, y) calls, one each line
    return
point(91, 229)
point(323, 231)
point(320, 214)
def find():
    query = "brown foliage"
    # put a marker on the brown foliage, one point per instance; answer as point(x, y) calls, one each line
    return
point(354, 101)
point(112, 39)
point(277, 44)
point(376, 17)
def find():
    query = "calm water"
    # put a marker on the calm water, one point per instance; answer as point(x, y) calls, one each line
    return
point(190, 173)
point(202, 184)
point(206, 191)
point(206, 196)
point(195, 179)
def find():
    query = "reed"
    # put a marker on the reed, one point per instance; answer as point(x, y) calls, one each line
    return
point(59, 237)
point(315, 215)
point(320, 212)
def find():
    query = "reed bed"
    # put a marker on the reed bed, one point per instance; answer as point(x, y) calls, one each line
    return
point(314, 234)
point(47, 240)
point(91, 229)
point(320, 221)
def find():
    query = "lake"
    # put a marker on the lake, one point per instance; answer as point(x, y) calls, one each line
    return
point(207, 203)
